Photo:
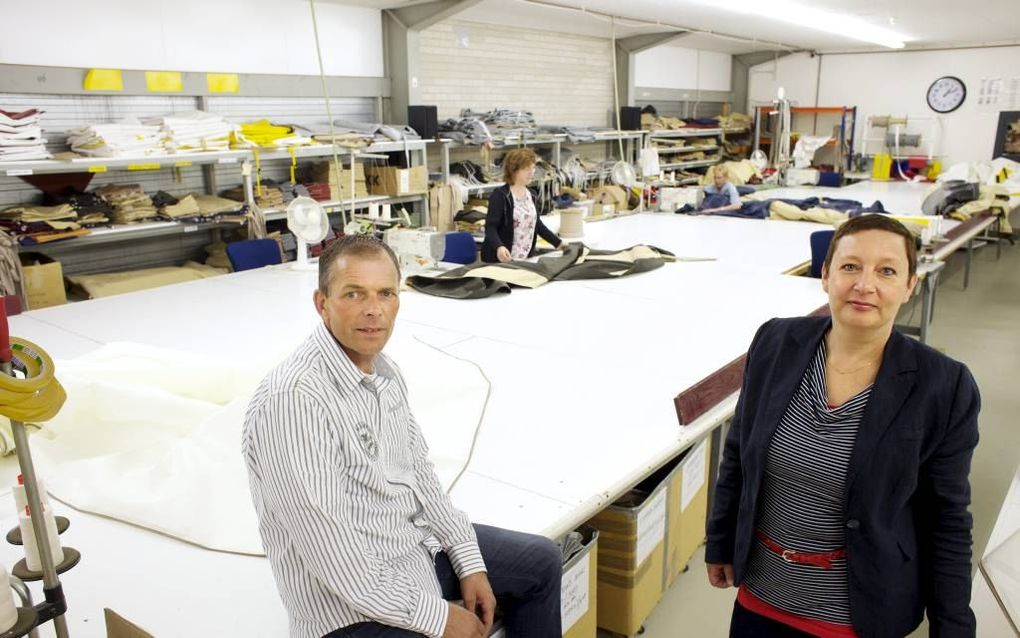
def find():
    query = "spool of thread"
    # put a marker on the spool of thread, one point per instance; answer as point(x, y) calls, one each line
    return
point(571, 223)
point(21, 497)
point(387, 211)
point(32, 559)
point(885, 121)
point(8, 610)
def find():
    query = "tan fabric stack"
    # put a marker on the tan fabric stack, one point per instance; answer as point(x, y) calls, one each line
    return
point(129, 201)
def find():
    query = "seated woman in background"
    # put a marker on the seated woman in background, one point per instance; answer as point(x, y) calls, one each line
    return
point(720, 196)
point(841, 504)
point(513, 220)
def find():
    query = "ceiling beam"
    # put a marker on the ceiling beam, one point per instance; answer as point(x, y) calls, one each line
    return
point(639, 43)
point(422, 16)
point(757, 57)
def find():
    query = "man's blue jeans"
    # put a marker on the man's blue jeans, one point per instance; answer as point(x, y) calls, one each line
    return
point(524, 571)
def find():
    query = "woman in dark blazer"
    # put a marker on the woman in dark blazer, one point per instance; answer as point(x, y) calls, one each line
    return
point(841, 504)
point(514, 219)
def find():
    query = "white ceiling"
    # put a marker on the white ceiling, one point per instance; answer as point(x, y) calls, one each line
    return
point(924, 23)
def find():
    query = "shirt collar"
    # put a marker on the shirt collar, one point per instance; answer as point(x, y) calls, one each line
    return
point(347, 374)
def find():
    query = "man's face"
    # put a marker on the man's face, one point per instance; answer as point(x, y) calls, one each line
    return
point(719, 178)
point(868, 280)
point(361, 305)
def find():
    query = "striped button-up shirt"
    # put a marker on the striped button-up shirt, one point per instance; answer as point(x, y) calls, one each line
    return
point(350, 510)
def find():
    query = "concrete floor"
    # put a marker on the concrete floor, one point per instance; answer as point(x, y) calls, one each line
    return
point(979, 326)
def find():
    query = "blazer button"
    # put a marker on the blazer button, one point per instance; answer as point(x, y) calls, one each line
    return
point(853, 523)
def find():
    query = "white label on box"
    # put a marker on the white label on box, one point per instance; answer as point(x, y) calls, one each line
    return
point(574, 593)
point(694, 474)
point(651, 525)
point(404, 176)
point(227, 160)
point(190, 229)
point(20, 171)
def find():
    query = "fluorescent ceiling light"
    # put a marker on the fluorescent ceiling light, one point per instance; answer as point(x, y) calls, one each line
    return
point(811, 18)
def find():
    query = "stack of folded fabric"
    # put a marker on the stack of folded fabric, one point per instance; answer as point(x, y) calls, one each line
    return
point(505, 122)
point(651, 122)
point(735, 120)
point(129, 201)
point(194, 131)
point(126, 138)
point(290, 191)
point(470, 220)
point(319, 191)
point(30, 213)
point(21, 136)
point(173, 208)
point(33, 224)
point(268, 194)
point(212, 206)
point(92, 210)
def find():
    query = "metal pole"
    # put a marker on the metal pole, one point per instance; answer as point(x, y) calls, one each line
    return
point(49, 571)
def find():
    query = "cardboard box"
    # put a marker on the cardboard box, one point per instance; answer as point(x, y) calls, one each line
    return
point(631, 557)
point(323, 172)
point(687, 512)
point(118, 627)
point(396, 182)
point(578, 591)
point(44, 281)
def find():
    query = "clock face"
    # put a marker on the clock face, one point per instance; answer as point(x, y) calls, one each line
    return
point(946, 94)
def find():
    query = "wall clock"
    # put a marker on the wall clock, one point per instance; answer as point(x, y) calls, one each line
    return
point(946, 94)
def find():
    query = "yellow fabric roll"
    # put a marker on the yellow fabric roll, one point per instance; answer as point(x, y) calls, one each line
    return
point(37, 397)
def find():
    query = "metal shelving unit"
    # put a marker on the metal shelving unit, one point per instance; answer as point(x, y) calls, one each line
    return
point(105, 164)
point(691, 164)
point(416, 149)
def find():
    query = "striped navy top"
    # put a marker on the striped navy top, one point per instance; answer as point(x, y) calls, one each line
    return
point(350, 510)
point(803, 502)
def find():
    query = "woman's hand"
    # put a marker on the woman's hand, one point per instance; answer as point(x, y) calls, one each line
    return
point(720, 576)
point(502, 254)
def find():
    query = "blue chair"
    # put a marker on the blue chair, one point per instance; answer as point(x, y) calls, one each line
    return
point(820, 241)
point(460, 248)
point(253, 253)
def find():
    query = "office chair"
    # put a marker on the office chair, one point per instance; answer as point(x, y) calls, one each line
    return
point(253, 253)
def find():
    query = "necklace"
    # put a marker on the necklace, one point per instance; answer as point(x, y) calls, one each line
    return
point(833, 366)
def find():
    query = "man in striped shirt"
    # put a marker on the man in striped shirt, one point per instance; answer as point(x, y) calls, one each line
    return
point(362, 538)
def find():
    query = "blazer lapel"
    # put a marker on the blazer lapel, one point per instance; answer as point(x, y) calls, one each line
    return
point(791, 362)
point(896, 379)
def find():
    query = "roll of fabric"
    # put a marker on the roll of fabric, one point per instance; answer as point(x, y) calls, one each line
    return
point(572, 223)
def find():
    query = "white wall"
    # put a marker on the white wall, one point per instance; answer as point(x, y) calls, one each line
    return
point(240, 36)
point(672, 67)
point(561, 78)
point(797, 74)
point(895, 83)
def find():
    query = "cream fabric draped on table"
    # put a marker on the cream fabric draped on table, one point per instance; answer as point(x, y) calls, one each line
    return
point(152, 436)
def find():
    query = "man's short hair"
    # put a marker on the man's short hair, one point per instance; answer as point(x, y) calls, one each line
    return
point(875, 221)
point(351, 246)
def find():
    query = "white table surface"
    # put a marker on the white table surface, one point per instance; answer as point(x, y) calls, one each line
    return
point(584, 374)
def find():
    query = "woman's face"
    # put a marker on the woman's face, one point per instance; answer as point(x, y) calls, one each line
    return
point(868, 279)
point(523, 176)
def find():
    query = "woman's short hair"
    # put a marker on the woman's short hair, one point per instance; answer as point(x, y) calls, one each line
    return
point(515, 160)
point(719, 169)
point(875, 221)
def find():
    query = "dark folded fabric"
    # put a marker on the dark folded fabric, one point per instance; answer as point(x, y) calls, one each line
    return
point(577, 262)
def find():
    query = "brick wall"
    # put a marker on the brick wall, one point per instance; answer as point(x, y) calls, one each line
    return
point(561, 78)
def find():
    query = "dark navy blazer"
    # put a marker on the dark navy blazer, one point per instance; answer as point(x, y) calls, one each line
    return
point(908, 529)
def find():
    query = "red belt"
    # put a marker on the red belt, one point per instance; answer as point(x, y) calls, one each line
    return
point(823, 560)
